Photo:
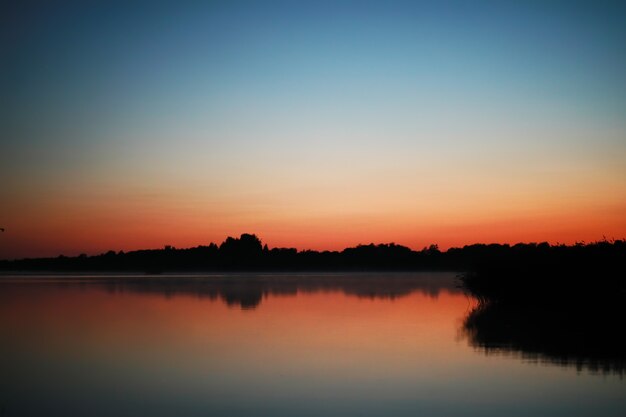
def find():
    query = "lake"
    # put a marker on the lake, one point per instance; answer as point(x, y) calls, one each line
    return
point(375, 344)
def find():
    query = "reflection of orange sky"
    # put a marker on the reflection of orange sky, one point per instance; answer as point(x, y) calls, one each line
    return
point(310, 329)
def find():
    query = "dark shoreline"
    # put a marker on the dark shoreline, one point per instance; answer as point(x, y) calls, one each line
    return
point(247, 253)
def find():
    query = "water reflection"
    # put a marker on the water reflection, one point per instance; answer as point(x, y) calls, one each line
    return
point(268, 345)
point(248, 290)
point(585, 336)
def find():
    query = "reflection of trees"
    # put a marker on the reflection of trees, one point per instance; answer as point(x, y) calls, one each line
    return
point(589, 337)
point(248, 290)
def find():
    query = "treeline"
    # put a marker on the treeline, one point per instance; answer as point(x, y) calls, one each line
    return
point(248, 253)
point(544, 274)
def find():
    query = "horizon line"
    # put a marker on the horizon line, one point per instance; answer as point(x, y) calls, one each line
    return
point(432, 246)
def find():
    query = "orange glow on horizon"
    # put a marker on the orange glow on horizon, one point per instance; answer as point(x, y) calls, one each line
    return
point(50, 225)
point(134, 232)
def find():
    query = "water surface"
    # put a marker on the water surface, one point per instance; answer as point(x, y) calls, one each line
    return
point(273, 345)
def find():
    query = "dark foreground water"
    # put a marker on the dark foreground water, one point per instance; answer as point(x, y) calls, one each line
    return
point(278, 345)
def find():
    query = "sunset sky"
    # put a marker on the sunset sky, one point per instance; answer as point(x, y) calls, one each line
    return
point(316, 125)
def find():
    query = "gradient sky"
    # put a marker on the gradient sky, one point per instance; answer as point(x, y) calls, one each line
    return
point(314, 124)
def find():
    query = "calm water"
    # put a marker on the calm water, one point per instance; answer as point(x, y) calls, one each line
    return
point(274, 345)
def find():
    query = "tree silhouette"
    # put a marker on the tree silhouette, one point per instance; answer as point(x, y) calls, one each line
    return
point(245, 251)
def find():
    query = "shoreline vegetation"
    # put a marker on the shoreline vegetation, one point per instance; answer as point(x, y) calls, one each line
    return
point(483, 262)
point(561, 305)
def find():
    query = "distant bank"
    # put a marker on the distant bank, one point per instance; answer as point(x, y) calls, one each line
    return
point(247, 253)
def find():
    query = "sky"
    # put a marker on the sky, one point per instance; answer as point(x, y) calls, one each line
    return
point(316, 125)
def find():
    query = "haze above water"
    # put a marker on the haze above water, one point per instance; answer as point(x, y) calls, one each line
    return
point(271, 345)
